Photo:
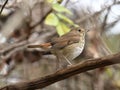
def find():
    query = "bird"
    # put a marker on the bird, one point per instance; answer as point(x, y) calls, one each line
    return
point(68, 46)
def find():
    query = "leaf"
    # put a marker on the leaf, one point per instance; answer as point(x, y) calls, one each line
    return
point(62, 28)
point(50, 1)
point(59, 8)
point(65, 18)
point(76, 25)
point(51, 19)
point(54, 1)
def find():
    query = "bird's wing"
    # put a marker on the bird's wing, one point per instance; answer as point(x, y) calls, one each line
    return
point(66, 36)
point(62, 42)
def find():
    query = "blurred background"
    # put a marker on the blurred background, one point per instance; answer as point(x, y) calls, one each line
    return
point(25, 22)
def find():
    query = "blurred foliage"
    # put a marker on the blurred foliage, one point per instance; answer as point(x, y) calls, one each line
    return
point(58, 19)
point(62, 28)
point(54, 1)
point(52, 20)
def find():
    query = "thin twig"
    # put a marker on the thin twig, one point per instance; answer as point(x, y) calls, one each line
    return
point(96, 13)
point(43, 18)
point(3, 6)
point(12, 47)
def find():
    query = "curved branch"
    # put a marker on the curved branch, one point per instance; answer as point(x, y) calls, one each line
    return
point(65, 73)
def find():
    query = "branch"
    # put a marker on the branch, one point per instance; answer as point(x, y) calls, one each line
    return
point(6, 50)
point(65, 73)
point(43, 18)
point(3, 6)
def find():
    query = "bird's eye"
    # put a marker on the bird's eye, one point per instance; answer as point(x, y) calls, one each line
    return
point(79, 30)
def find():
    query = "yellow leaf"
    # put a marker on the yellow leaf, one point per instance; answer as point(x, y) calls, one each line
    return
point(51, 19)
point(62, 28)
point(59, 8)
point(65, 18)
point(50, 1)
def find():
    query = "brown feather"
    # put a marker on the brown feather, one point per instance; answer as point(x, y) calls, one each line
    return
point(67, 39)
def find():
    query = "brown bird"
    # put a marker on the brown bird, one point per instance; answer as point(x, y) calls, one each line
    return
point(67, 47)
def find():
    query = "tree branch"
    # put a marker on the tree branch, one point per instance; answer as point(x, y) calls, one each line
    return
point(3, 6)
point(65, 73)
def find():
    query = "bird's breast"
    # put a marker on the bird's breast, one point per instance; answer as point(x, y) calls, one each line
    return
point(72, 51)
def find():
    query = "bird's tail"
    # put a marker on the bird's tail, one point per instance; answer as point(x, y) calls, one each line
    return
point(45, 45)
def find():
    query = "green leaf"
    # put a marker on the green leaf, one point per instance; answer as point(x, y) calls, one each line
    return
point(75, 25)
point(59, 8)
point(62, 28)
point(52, 19)
point(65, 18)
